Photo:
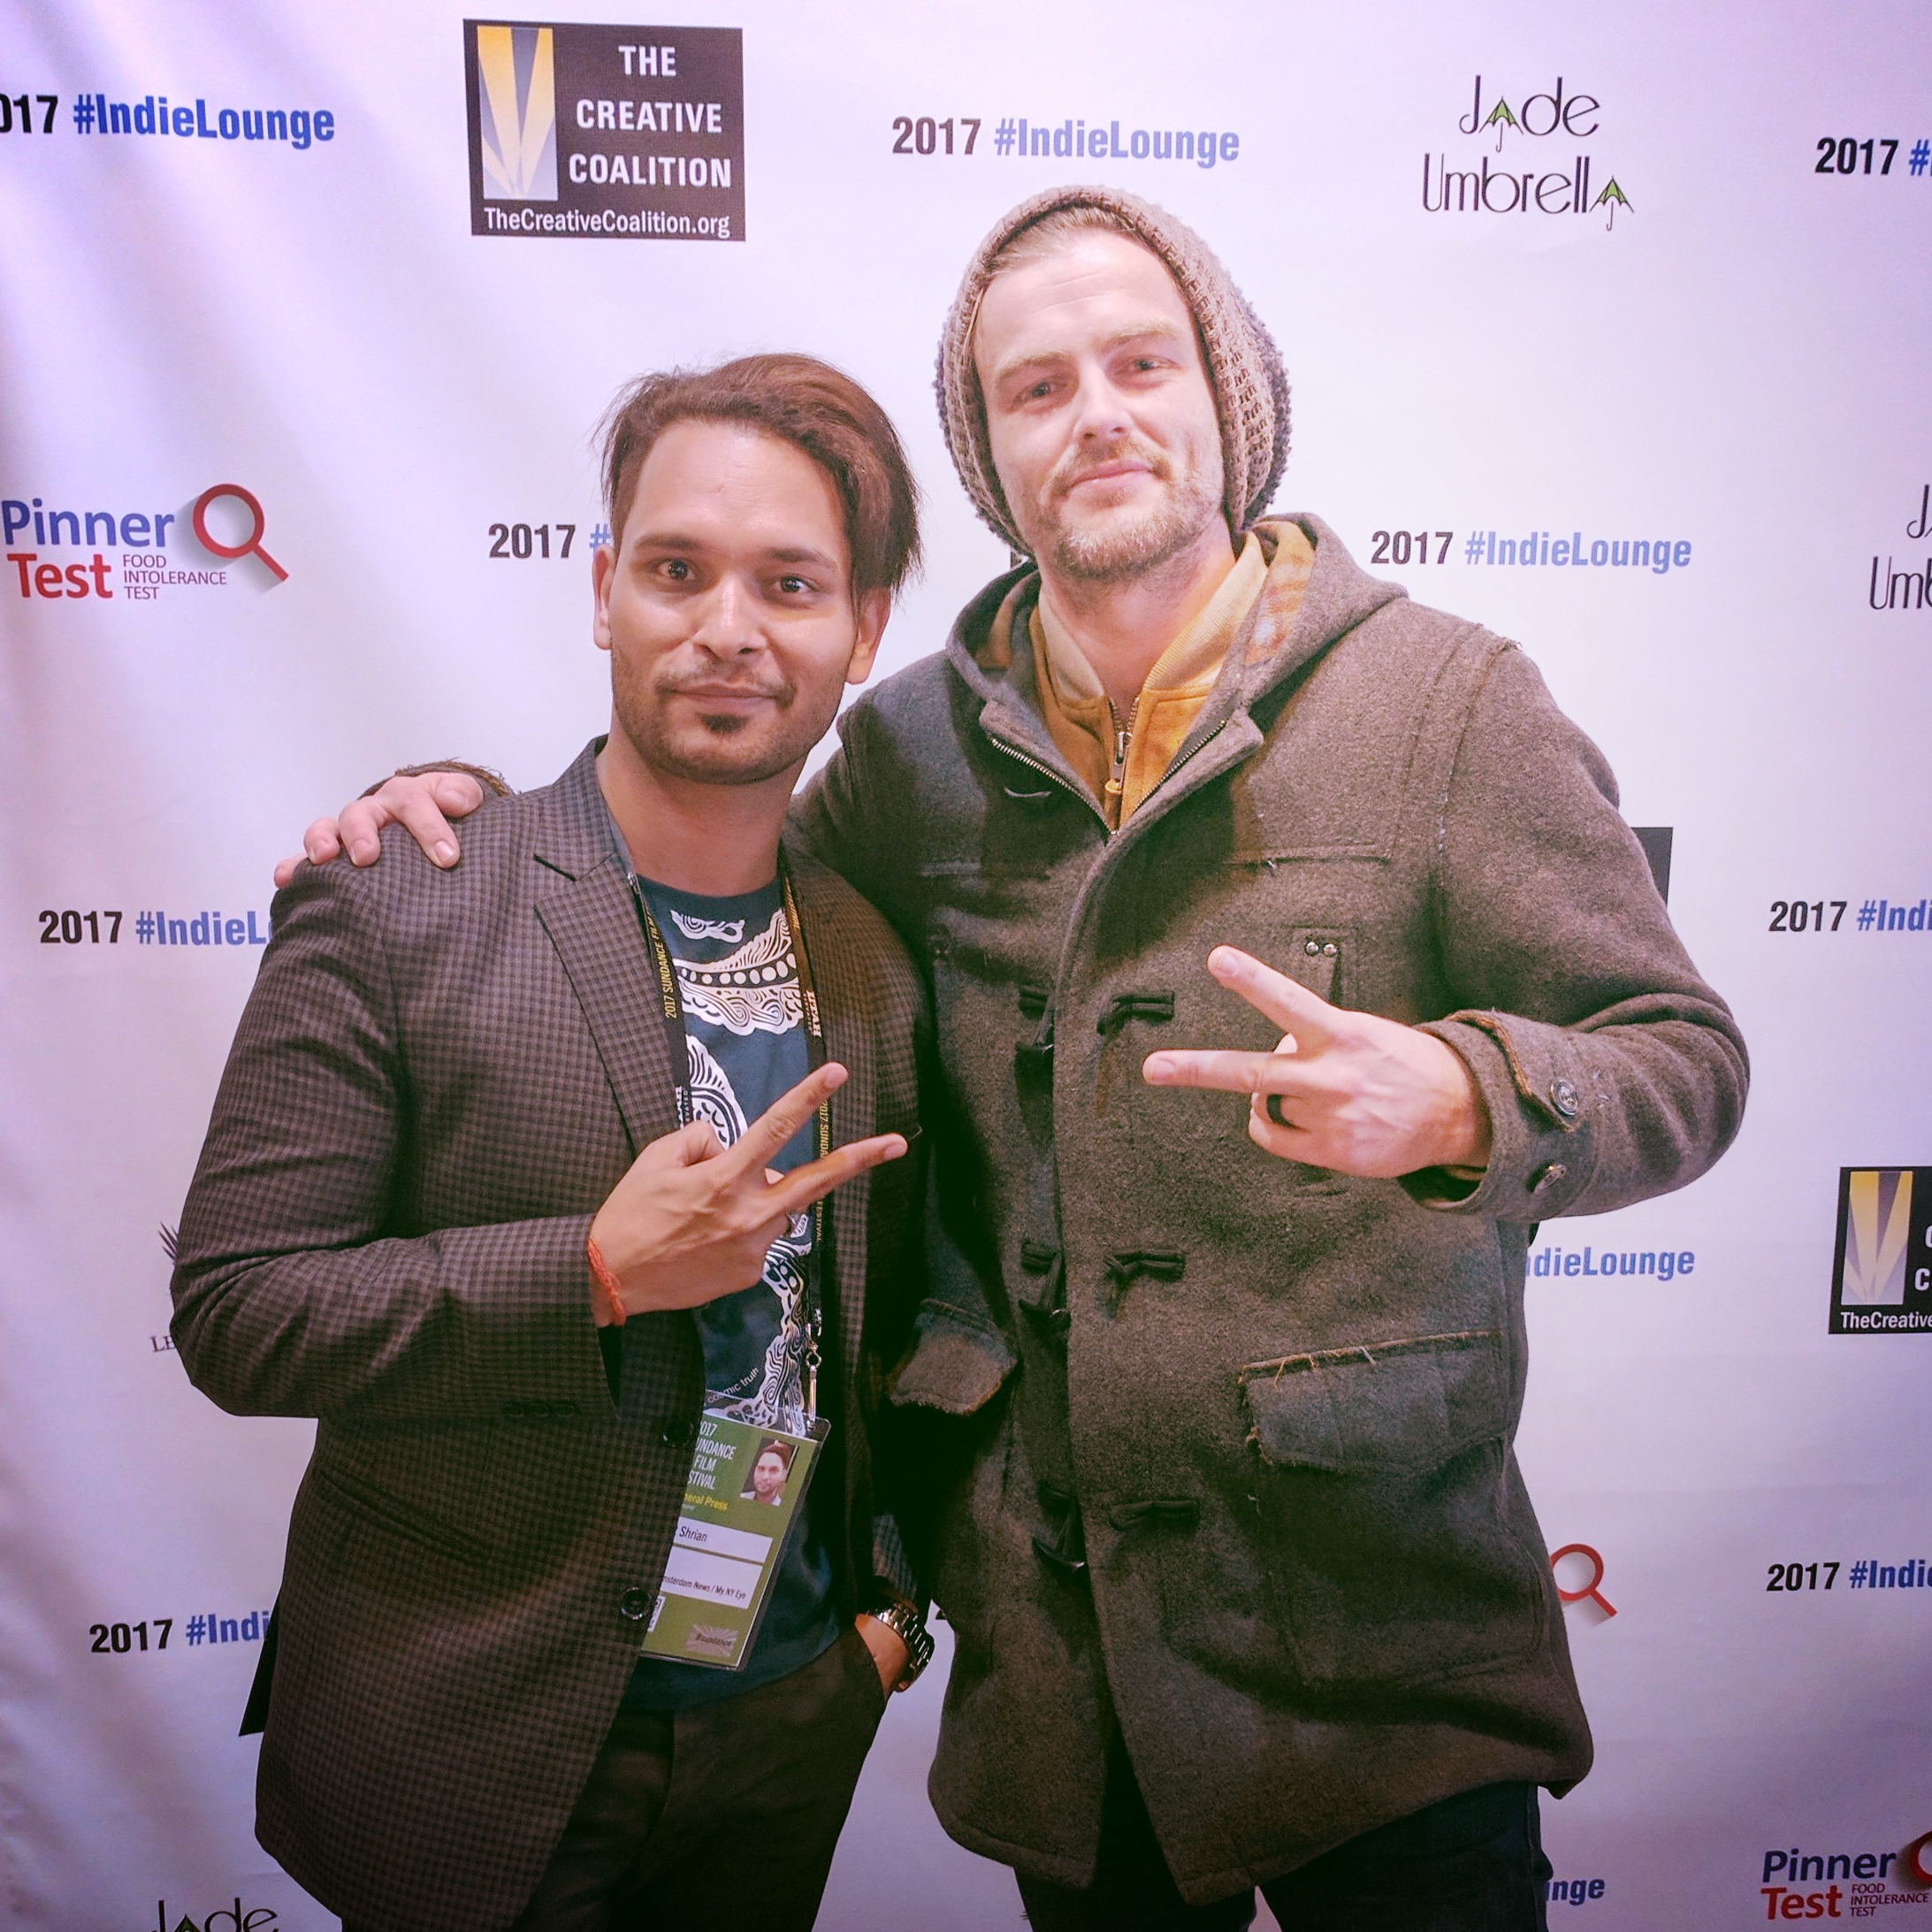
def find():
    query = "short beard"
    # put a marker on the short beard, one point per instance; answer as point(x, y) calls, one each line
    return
point(718, 756)
point(1122, 553)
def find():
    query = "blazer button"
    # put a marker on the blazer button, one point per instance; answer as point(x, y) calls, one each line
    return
point(634, 1604)
point(675, 1432)
point(1563, 1097)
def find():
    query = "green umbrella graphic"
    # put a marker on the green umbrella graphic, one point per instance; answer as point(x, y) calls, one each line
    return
point(1617, 198)
point(1500, 117)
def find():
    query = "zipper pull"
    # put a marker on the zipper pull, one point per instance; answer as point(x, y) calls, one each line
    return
point(1123, 736)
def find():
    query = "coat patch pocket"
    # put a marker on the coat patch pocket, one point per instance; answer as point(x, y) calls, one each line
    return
point(1398, 1538)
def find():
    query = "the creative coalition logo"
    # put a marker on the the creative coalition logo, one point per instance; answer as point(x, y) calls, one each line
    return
point(1532, 178)
point(1893, 589)
point(58, 555)
point(1657, 840)
point(1882, 1276)
point(636, 132)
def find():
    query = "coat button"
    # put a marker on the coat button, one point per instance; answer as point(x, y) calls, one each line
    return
point(516, 1411)
point(1313, 947)
point(634, 1604)
point(675, 1431)
point(565, 1407)
point(1563, 1097)
point(1328, 951)
point(1542, 1179)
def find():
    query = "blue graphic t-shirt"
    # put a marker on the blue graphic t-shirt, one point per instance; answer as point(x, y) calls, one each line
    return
point(737, 979)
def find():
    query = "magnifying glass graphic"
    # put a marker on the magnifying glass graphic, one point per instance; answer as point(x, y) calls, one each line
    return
point(1918, 1860)
point(1593, 1589)
point(252, 547)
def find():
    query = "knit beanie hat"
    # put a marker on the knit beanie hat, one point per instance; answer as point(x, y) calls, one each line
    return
point(1244, 367)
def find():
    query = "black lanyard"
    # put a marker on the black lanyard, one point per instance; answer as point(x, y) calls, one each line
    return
point(812, 1305)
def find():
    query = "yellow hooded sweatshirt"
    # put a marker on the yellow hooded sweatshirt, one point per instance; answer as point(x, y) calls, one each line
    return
point(1122, 760)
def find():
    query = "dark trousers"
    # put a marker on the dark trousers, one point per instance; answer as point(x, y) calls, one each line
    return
point(1473, 1863)
point(725, 1813)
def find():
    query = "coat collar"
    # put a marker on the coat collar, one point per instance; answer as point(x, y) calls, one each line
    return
point(1281, 637)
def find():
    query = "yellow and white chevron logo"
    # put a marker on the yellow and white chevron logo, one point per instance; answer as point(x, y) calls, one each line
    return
point(1878, 1228)
point(516, 111)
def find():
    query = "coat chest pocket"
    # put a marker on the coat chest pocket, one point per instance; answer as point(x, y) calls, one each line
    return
point(1396, 1533)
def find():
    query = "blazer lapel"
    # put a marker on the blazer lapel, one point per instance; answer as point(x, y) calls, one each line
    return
point(585, 903)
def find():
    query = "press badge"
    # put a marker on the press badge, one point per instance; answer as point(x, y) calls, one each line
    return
point(743, 1498)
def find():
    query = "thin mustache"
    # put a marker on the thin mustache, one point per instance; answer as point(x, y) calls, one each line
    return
point(715, 687)
point(1151, 458)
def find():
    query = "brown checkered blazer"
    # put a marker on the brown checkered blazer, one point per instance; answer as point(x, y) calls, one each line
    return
point(437, 1079)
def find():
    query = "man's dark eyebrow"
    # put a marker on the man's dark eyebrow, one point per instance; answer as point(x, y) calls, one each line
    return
point(1134, 331)
point(674, 539)
point(668, 539)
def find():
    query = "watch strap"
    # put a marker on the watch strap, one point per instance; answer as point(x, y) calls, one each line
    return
point(907, 1623)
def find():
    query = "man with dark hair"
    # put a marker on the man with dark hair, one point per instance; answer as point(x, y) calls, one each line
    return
point(1245, 1585)
point(517, 1181)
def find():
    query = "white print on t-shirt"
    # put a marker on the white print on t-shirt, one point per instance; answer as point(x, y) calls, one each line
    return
point(729, 930)
point(779, 1399)
point(712, 1098)
point(754, 989)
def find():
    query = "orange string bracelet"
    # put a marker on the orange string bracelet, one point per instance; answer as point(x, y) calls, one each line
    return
point(600, 1273)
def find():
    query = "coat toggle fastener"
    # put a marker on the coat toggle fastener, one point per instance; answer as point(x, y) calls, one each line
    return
point(1047, 1305)
point(1065, 1545)
point(1156, 1007)
point(1160, 1263)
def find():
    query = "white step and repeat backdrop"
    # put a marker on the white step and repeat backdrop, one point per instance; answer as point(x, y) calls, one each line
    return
point(1608, 327)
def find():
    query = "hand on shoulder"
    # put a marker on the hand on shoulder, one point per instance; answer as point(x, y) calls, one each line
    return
point(423, 800)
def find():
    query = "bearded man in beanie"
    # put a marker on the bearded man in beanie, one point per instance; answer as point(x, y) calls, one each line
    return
point(1245, 1585)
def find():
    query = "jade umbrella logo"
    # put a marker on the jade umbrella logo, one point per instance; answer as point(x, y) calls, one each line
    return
point(1539, 179)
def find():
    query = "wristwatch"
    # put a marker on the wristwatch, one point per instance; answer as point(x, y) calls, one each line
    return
point(907, 1623)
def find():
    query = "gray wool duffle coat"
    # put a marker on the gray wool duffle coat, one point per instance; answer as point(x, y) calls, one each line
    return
point(1235, 1469)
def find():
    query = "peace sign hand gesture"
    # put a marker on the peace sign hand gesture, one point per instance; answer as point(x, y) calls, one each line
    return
point(692, 1218)
point(1343, 1091)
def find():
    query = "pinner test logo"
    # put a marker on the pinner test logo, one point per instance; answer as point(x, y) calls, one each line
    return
point(1882, 1276)
point(1532, 158)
